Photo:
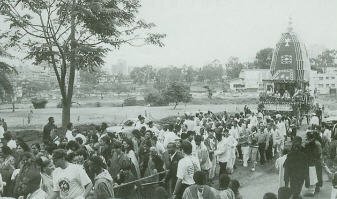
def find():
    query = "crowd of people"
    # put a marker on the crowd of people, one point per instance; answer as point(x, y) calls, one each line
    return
point(183, 160)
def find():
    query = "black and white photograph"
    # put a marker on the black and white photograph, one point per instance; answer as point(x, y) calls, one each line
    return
point(168, 99)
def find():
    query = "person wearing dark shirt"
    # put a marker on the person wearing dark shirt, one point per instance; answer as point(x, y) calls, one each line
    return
point(47, 129)
point(171, 158)
point(313, 150)
point(296, 170)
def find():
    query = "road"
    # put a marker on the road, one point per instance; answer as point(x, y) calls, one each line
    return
point(266, 180)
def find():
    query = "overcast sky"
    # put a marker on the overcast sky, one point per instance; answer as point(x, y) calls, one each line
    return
point(199, 31)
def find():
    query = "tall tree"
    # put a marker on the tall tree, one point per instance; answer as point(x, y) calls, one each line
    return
point(263, 58)
point(142, 75)
point(73, 35)
point(233, 67)
point(5, 70)
point(177, 92)
point(189, 74)
point(90, 79)
point(167, 75)
point(327, 58)
point(212, 72)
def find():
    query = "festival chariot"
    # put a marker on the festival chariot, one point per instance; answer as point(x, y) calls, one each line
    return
point(286, 92)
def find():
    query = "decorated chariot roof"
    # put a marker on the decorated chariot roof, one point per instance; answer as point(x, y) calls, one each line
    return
point(290, 60)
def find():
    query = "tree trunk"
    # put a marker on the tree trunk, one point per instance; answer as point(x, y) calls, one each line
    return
point(65, 113)
point(175, 106)
point(68, 99)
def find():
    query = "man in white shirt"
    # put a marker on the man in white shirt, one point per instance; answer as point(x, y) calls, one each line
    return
point(222, 153)
point(232, 142)
point(235, 130)
point(281, 126)
point(327, 134)
point(253, 119)
point(69, 133)
point(203, 155)
point(190, 123)
point(186, 169)
point(70, 181)
point(169, 136)
point(278, 140)
point(314, 120)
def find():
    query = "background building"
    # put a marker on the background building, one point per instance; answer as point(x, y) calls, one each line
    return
point(324, 83)
point(250, 80)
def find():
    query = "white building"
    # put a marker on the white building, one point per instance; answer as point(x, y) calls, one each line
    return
point(324, 83)
point(250, 80)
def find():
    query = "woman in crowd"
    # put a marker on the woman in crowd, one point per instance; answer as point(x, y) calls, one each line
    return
point(235, 185)
point(7, 167)
point(224, 191)
point(144, 156)
point(103, 182)
point(128, 150)
point(47, 168)
point(35, 149)
point(20, 149)
point(200, 189)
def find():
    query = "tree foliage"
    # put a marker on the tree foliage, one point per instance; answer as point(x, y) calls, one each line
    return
point(212, 72)
point(233, 67)
point(177, 92)
point(167, 75)
point(327, 58)
point(189, 74)
point(5, 70)
point(263, 58)
point(155, 98)
point(73, 35)
point(142, 75)
point(31, 87)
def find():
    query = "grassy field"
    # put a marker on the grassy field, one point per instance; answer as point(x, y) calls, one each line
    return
point(87, 113)
point(111, 115)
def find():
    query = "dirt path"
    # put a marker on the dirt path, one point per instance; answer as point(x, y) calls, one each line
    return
point(266, 180)
point(269, 183)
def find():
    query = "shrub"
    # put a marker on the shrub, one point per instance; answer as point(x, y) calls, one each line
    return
point(155, 98)
point(167, 121)
point(39, 103)
point(98, 104)
point(131, 101)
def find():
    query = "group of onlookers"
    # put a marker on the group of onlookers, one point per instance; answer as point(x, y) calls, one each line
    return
point(179, 159)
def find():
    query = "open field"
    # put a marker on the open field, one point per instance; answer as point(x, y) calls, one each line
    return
point(88, 113)
point(111, 115)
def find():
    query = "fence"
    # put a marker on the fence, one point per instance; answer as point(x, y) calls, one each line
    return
point(143, 188)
